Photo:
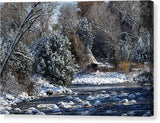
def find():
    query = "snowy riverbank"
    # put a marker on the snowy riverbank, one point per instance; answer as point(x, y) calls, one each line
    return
point(103, 78)
point(81, 100)
point(44, 89)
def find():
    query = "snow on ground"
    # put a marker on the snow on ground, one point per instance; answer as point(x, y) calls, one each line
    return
point(46, 89)
point(7, 100)
point(102, 78)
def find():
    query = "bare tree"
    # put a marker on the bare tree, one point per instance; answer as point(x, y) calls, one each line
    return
point(25, 25)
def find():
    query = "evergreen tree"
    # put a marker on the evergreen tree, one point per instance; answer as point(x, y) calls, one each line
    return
point(143, 50)
point(53, 59)
point(84, 31)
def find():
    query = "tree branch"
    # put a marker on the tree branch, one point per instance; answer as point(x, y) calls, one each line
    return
point(18, 36)
point(19, 53)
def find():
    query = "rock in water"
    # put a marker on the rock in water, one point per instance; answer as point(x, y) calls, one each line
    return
point(109, 111)
point(98, 103)
point(131, 113)
point(77, 99)
point(132, 96)
point(49, 92)
point(10, 97)
point(124, 101)
point(5, 112)
point(90, 98)
point(33, 110)
point(40, 113)
point(123, 95)
point(17, 109)
point(55, 107)
point(147, 114)
point(86, 104)
point(133, 102)
point(85, 113)
point(28, 112)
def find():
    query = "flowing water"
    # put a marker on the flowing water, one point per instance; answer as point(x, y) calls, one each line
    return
point(123, 100)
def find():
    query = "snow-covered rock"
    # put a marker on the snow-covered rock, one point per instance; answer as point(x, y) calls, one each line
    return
point(28, 112)
point(55, 107)
point(10, 97)
point(69, 97)
point(40, 113)
point(86, 104)
point(124, 101)
point(85, 113)
point(75, 93)
point(133, 102)
point(64, 105)
point(71, 103)
point(17, 109)
point(5, 112)
point(131, 113)
point(138, 94)
point(90, 98)
point(69, 91)
point(132, 96)
point(48, 107)
point(49, 92)
point(109, 111)
point(7, 108)
point(32, 110)
point(98, 96)
point(148, 113)
point(17, 100)
point(97, 103)
point(47, 89)
point(77, 99)
point(102, 97)
point(115, 98)
point(42, 105)
point(77, 106)
point(123, 95)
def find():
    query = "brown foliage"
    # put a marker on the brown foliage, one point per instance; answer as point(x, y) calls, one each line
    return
point(86, 6)
point(83, 54)
point(127, 66)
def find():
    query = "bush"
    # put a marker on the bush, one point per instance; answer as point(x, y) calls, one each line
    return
point(19, 65)
point(53, 59)
point(143, 50)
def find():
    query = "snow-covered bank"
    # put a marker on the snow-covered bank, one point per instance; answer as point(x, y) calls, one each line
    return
point(44, 89)
point(78, 98)
point(7, 100)
point(102, 78)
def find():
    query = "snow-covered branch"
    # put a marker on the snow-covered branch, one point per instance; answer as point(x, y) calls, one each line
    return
point(26, 57)
point(19, 35)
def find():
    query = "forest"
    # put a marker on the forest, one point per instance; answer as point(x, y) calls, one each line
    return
point(77, 58)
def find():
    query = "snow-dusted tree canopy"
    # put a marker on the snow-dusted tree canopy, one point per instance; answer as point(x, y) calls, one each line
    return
point(143, 50)
point(53, 59)
point(84, 30)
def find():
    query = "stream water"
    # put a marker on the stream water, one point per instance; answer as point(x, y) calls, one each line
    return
point(122, 100)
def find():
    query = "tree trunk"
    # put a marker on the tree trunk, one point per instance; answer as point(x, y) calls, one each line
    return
point(84, 55)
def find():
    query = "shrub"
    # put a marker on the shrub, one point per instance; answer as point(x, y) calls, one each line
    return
point(53, 59)
point(19, 65)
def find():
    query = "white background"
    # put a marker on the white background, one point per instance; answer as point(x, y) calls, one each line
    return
point(103, 119)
